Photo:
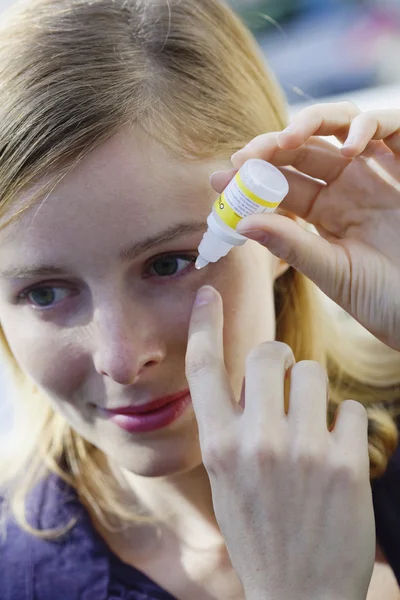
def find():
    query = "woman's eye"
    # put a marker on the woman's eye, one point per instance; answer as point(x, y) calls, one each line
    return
point(46, 297)
point(168, 266)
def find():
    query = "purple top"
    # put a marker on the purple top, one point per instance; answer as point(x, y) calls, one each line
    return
point(80, 566)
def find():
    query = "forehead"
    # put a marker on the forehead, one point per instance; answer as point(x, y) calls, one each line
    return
point(128, 186)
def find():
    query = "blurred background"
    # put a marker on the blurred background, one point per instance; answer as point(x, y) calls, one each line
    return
point(327, 47)
point(320, 50)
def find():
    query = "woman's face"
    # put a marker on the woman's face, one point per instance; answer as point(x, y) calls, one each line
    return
point(96, 290)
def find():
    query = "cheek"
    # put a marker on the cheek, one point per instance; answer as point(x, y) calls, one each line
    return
point(174, 312)
point(51, 360)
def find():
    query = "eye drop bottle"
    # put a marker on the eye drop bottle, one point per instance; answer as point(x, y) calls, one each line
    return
point(257, 187)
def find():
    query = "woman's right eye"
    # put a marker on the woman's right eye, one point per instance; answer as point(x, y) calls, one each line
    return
point(45, 296)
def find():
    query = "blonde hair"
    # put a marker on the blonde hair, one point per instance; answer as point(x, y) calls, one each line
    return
point(73, 73)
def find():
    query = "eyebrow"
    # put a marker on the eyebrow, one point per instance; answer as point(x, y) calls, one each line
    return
point(167, 235)
point(130, 253)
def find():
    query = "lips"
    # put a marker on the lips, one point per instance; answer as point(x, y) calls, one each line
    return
point(151, 416)
point(149, 406)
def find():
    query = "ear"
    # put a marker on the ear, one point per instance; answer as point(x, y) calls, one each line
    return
point(279, 266)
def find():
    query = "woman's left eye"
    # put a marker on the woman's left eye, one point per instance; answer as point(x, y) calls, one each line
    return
point(169, 266)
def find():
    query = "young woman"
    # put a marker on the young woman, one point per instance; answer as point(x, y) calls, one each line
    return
point(125, 483)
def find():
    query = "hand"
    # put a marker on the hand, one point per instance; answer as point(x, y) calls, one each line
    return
point(355, 208)
point(292, 499)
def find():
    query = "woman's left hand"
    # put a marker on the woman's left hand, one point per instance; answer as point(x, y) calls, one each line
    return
point(292, 499)
point(352, 197)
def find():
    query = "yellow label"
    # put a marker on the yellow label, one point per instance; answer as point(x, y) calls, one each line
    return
point(237, 202)
point(227, 214)
point(253, 196)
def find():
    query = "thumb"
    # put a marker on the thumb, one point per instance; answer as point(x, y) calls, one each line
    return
point(305, 251)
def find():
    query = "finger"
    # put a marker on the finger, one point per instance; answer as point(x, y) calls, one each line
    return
point(303, 191)
point(393, 142)
point(382, 160)
point(373, 125)
point(351, 433)
point(323, 262)
point(387, 165)
point(220, 179)
point(262, 146)
point(266, 367)
point(308, 400)
point(212, 396)
point(317, 158)
point(320, 119)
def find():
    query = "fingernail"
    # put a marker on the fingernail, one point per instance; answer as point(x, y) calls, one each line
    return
point(216, 173)
point(285, 133)
point(205, 295)
point(255, 234)
point(288, 129)
point(349, 142)
point(236, 158)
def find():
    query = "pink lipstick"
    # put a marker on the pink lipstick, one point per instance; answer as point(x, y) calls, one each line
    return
point(151, 416)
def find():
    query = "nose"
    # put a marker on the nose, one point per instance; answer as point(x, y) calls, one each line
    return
point(128, 345)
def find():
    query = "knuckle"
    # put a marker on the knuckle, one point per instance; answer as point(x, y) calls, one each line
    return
point(262, 454)
point(365, 115)
point(367, 118)
point(196, 362)
point(211, 456)
point(273, 452)
point(261, 449)
point(302, 158)
point(319, 108)
point(217, 455)
point(348, 467)
point(276, 351)
point(369, 115)
point(350, 106)
point(201, 358)
point(316, 109)
point(289, 254)
point(200, 364)
point(309, 456)
point(345, 471)
point(260, 141)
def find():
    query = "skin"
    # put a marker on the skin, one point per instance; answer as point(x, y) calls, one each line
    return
point(352, 197)
point(118, 332)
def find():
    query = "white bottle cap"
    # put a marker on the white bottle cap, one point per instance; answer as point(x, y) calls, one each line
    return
point(266, 188)
point(264, 179)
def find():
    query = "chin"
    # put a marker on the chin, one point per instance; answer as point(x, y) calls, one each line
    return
point(152, 462)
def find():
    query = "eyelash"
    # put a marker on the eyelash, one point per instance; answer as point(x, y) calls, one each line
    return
point(191, 259)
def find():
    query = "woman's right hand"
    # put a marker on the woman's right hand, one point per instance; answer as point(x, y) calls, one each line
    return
point(292, 499)
point(351, 196)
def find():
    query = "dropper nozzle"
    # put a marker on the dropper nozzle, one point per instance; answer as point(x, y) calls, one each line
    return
point(201, 262)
